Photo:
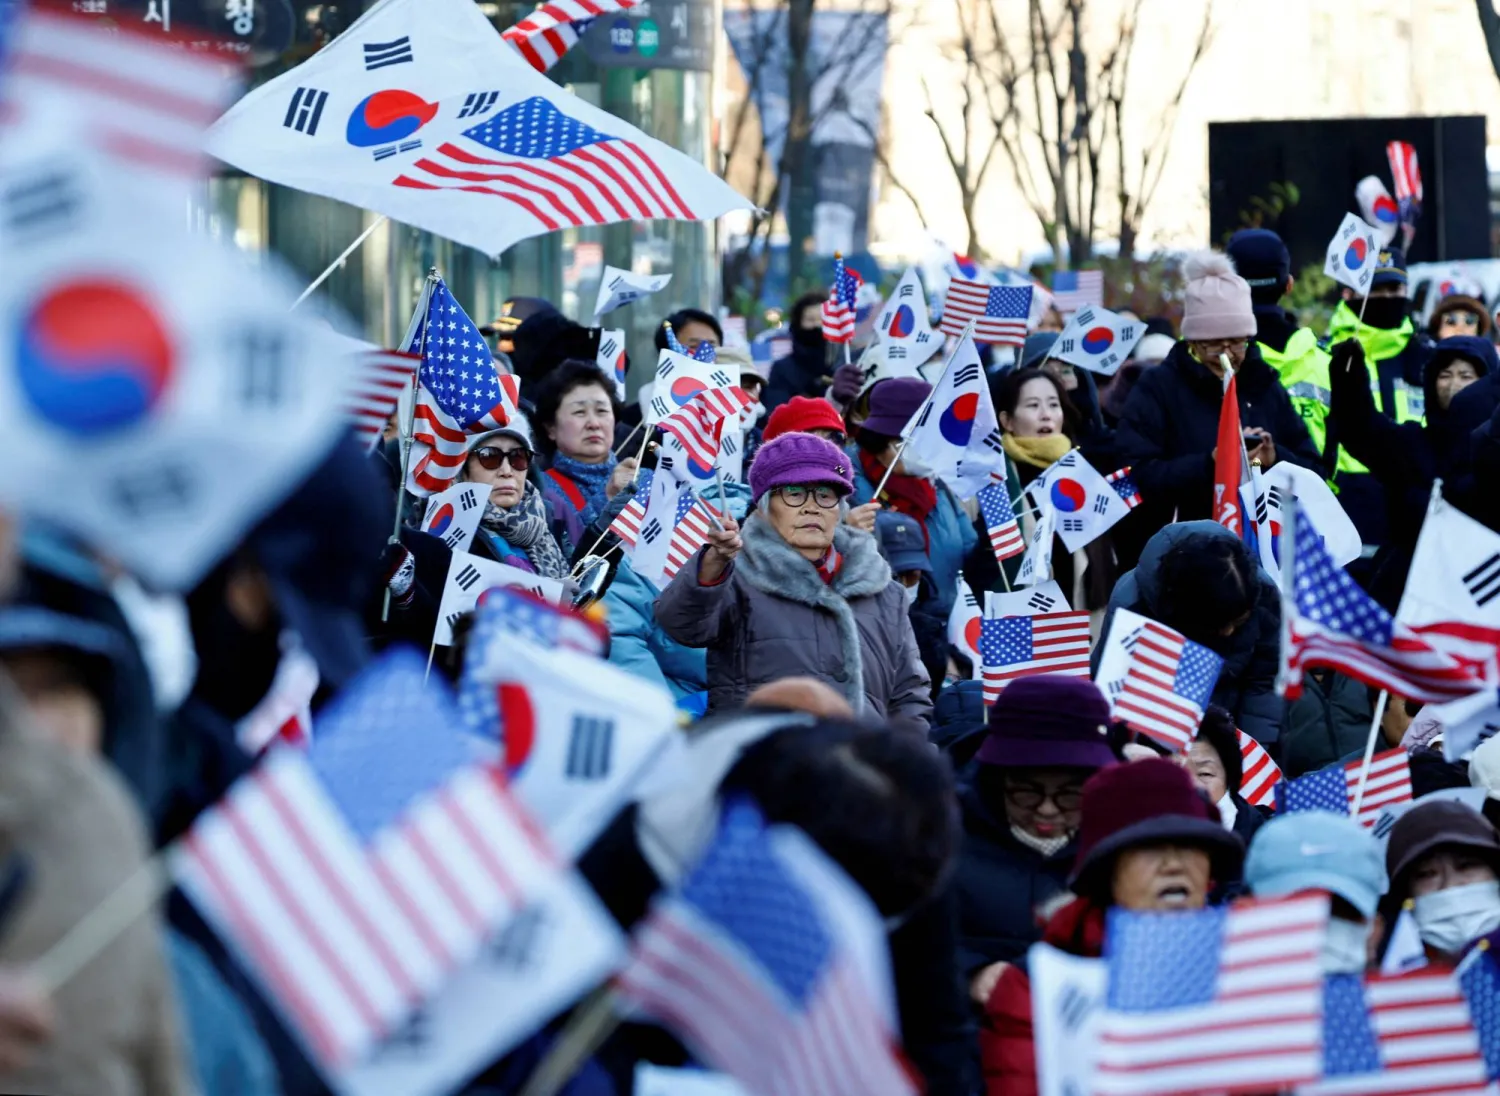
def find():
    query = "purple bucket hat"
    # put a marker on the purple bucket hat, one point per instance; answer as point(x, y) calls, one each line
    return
point(893, 402)
point(1049, 721)
point(800, 459)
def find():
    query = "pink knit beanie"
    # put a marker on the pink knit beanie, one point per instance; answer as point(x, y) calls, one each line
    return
point(1216, 304)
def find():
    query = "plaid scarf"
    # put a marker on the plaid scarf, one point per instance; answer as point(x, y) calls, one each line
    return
point(828, 566)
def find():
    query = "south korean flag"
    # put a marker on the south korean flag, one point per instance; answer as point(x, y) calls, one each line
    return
point(454, 515)
point(1085, 505)
point(1098, 340)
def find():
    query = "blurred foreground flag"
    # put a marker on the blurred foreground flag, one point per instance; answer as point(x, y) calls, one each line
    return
point(1378, 208)
point(772, 966)
point(353, 878)
point(1214, 1000)
point(1352, 255)
point(421, 111)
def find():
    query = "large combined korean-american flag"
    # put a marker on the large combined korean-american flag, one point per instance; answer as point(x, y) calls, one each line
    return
point(423, 112)
point(554, 28)
point(1225, 999)
point(1167, 685)
point(838, 309)
point(770, 963)
point(1330, 621)
point(1020, 646)
point(1407, 1034)
point(999, 312)
point(1334, 790)
point(355, 876)
point(460, 392)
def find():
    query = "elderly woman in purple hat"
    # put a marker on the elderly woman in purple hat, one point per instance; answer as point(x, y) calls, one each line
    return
point(947, 532)
point(1047, 735)
point(798, 592)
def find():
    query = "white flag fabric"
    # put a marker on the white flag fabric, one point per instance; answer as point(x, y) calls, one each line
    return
point(610, 357)
point(1085, 504)
point(904, 329)
point(1452, 595)
point(453, 516)
point(200, 403)
point(1378, 207)
point(619, 287)
point(955, 434)
point(422, 112)
point(1466, 722)
point(1067, 1001)
point(1275, 487)
point(469, 576)
point(1114, 651)
point(649, 557)
point(1098, 340)
point(1353, 254)
point(1036, 564)
point(679, 378)
point(1044, 597)
point(964, 623)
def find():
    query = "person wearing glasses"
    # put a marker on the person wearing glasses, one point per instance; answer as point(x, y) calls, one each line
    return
point(798, 592)
point(516, 527)
point(1458, 314)
point(1046, 735)
point(1169, 430)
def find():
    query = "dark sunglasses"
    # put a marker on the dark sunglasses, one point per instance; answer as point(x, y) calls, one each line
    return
point(490, 458)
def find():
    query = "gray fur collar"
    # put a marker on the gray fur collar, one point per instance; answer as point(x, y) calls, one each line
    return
point(772, 566)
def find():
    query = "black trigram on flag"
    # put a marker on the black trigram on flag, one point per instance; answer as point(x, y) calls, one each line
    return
point(1072, 525)
point(387, 151)
point(967, 374)
point(589, 747)
point(651, 530)
point(384, 54)
point(664, 370)
point(729, 445)
point(150, 493)
point(1064, 346)
point(906, 290)
point(1483, 582)
point(477, 102)
point(992, 442)
point(1041, 603)
point(926, 414)
point(466, 577)
point(516, 946)
point(261, 365)
point(454, 535)
point(41, 203)
point(659, 406)
point(720, 378)
point(305, 110)
point(609, 348)
point(1101, 503)
point(1073, 1007)
point(467, 500)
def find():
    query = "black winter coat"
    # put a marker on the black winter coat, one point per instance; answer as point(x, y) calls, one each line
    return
point(1001, 883)
point(1170, 427)
point(803, 372)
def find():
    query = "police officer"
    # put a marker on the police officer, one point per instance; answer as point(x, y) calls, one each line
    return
point(1396, 353)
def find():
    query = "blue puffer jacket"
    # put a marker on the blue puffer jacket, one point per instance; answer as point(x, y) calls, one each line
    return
point(950, 536)
point(636, 642)
point(1247, 684)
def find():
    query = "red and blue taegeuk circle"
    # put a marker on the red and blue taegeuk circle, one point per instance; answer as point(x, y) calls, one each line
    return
point(1097, 340)
point(957, 421)
point(385, 116)
point(93, 356)
point(517, 725)
point(902, 323)
point(1385, 209)
point(972, 631)
point(441, 520)
point(685, 388)
point(1356, 253)
point(1068, 496)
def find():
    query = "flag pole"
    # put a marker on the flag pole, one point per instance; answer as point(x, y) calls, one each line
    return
point(639, 456)
point(1364, 769)
point(323, 277)
point(1292, 514)
point(410, 426)
point(103, 924)
point(968, 331)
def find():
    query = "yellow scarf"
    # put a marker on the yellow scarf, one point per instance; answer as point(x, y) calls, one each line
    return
point(1041, 451)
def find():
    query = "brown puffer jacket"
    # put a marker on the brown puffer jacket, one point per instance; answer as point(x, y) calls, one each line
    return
point(772, 616)
point(116, 1031)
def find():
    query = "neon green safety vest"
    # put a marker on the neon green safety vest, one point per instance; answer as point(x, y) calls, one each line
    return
point(1303, 369)
point(1381, 344)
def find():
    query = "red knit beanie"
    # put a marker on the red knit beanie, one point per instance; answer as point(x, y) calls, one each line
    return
point(801, 414)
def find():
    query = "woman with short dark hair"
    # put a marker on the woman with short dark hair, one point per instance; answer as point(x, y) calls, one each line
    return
point(575, 419)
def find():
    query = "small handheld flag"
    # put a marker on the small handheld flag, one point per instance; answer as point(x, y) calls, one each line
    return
point(620, 287)
point(1408, 179)
point(1000, 521)
point(380, 377)
point(1167, 685)
point(838, 309)
point(1260, 774)
point(682, 517)
point(963, 624)
point(903, 330)
point(1334, 789)
point(1075, 290)
point(1124, 484)
point(453, 516)
point(1378, 208)
point(1021, 646)
point(955, 433)
point(1098, 340)
point(1352, 255)
point(999, 312)
point(1085, 504)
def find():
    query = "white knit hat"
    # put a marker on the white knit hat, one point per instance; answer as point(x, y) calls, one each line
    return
point(1216, 303)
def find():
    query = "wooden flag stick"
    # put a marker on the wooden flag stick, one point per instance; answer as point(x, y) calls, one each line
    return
point(103, 924)
point(591, 1023)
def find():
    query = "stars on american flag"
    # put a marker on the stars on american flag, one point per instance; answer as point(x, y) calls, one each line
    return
point(535, 129)
point(457, 366)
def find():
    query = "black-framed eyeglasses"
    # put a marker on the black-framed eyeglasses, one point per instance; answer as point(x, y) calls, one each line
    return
point(822, 494)
point(1223, 346)
point(491, 458)
point(1029, 797)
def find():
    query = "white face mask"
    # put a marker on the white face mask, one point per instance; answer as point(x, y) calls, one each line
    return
point(1451, 918)
point(1344, 946)
point(911, 466)
point(911, 593)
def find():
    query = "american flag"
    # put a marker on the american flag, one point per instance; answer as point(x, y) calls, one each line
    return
point(999, 312)
point(560, 170)
point(376, 388)
point(689, 532)
point(1406, 175)
point(550, 31)
point(1331, 622)
point(1124, 484)
point(1479, 977)
point(355, 876)
point(1259, 774)
point(143, 98)
point(838, 309)
point(1020, 646)
point(460, 392)
point(1000, 521)
point(705, 352)
point(1213, 1000)
point(1073, 289)
point(748, 963)
point(1167, 685)
point(1334, 789)
point(699, 423)
point(1401, 1035)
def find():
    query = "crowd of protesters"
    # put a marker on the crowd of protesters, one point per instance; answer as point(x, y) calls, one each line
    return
point(808, 639)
